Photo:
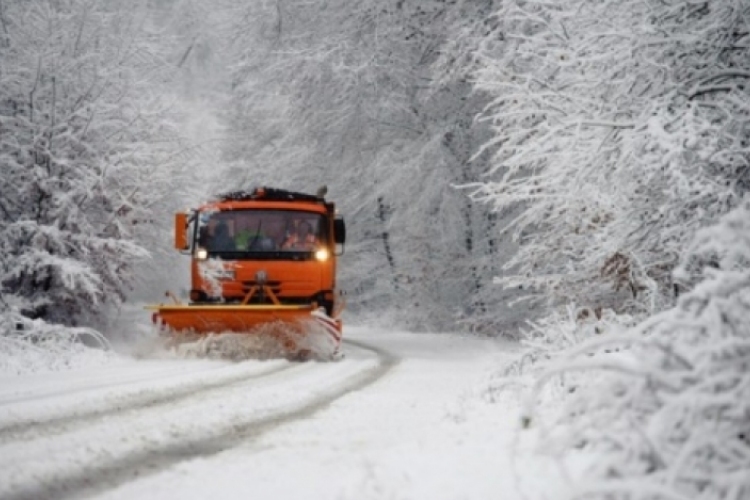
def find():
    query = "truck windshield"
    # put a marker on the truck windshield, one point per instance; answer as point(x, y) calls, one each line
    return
point(260, 231)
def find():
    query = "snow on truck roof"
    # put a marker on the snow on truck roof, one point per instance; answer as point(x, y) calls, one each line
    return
point(271, 198)
point(270, 194)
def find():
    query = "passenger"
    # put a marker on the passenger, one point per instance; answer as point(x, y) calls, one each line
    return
point(248, 233)
point(302, 239)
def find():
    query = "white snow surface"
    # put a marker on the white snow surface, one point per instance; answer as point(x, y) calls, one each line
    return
point(402, 416)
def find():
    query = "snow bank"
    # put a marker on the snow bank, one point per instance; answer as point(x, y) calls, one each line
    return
point(664, 405)
point(33, 346)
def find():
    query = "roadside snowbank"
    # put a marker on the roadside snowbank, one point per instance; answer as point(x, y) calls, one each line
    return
point(664, 404)
point(28, 346)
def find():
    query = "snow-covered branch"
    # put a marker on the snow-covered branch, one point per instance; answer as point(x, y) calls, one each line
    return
point(613, 128)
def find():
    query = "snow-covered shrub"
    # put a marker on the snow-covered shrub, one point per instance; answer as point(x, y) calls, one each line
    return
point(563, 328)
point(620, 129)
point(666, 406)
point(28, 346)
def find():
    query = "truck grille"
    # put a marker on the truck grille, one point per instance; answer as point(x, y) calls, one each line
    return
point(275, 286)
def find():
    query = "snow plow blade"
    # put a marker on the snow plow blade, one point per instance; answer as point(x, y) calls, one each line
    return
point(294, 331)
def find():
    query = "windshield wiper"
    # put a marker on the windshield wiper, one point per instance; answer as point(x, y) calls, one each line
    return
point(257, 235)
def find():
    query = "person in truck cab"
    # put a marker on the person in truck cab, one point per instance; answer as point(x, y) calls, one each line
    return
point(248, 233)
point(221, 240)
point(301, 239)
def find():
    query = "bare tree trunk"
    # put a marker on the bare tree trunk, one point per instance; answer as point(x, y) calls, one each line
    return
point(383, 215)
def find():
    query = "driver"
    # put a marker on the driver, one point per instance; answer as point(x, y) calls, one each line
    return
point(221, 240)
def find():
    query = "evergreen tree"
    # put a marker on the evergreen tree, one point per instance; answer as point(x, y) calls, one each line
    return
point(87, 154)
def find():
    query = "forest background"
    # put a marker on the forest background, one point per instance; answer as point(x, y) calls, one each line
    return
point(583, 164)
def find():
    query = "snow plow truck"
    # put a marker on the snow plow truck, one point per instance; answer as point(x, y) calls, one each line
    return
point(263, 270)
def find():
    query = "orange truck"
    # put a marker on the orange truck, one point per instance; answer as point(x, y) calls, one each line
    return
point(263, 262)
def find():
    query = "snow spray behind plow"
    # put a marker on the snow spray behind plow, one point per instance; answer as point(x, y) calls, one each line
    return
point(316, 337)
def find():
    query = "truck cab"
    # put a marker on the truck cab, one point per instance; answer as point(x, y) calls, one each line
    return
point(265, 246)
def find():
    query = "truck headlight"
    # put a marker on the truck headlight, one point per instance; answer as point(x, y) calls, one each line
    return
point(201, 254)
point(322, 254)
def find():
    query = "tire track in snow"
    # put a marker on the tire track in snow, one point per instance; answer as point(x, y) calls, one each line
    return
point(51, 392)
point(102, 473)
point(146, 398)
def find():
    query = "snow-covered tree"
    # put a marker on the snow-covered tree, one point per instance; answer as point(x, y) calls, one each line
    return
point(622, 133)
point(88, 153)
point(668, 412)
point(345, 94)
point(620, 129)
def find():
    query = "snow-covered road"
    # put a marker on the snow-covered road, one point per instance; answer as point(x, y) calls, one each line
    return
point(399, 417)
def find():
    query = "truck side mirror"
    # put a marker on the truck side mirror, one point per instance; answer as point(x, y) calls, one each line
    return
point(339, 235)
point(180, 231)
point(339, 231)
